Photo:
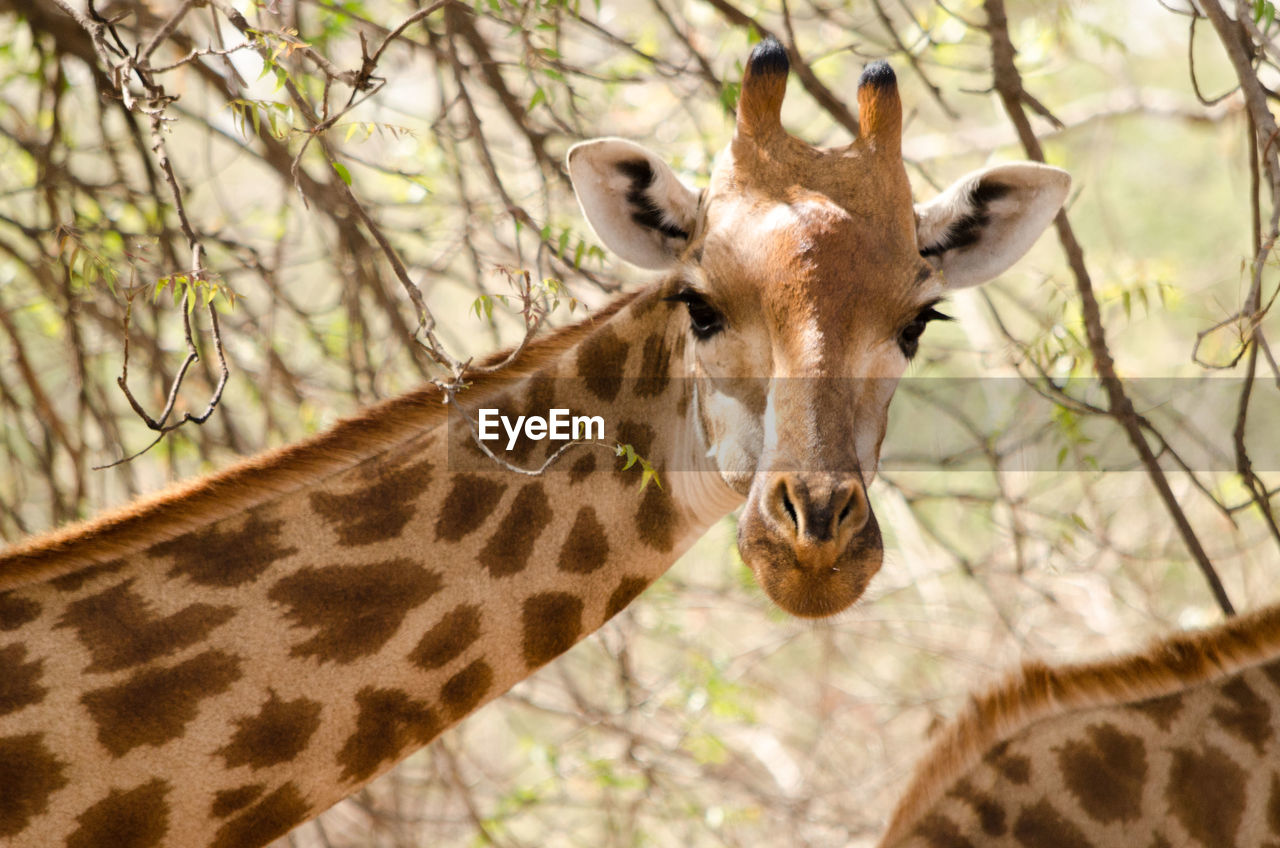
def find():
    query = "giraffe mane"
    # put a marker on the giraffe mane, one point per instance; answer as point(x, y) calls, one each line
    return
point(1037, 691)
point(266, 475)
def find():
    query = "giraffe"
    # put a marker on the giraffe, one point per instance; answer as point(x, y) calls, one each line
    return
point(1178, 745)
point(224, 660)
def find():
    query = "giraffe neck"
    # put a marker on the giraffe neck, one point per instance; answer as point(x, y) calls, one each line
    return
point(219, 676)
point(1175, 746)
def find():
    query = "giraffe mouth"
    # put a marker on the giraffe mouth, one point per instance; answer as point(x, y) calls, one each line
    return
point(805, 578)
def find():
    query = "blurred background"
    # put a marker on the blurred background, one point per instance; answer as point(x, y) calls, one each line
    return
point(239, 186)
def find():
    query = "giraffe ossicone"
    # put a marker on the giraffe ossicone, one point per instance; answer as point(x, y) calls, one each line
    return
point(218, 663)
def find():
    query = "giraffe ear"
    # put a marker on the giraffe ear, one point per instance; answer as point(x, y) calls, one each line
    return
point(983, 223)
point(633, 200)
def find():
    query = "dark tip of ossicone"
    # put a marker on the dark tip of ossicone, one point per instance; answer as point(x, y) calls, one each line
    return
point(769, 57)
point(878, 75)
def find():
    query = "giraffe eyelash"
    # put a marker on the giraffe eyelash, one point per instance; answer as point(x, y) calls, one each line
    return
point(704, 319)
point(909, 336)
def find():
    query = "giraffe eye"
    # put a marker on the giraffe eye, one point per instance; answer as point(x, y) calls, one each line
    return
point(704, 319)
point(909, 336)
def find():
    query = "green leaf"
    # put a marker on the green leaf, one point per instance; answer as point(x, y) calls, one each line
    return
point(482, 306)
point(647, 475)
point(342, 171)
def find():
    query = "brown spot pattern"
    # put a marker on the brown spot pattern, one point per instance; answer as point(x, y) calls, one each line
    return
point(1248, 718)
point(582, 467)
point(990, 814)
point(1272, 672)
point(228, 801)
point(462, 692)
point(1041, 826)
point(389, 722)
point(75, 580)
point(354, 609)
point(155, 704)
point(657, 519)
point(938, 831)
point(277, 734)
point(119, 630)
point(586, 548)
point(629, 588)
point(1106, 773)
point(16, 611)
point(136, 818)
point(377, 512)
point(19, 680)
point(452, 635)
point(30, 775)
point(655, 367)
point(601, 360)
point(272, 817)
point(1014, 767)
point(1163, 710)
point(552, 622)
point(223, 558)
point(471, 500)
point(508, 549)
point(1206, 792)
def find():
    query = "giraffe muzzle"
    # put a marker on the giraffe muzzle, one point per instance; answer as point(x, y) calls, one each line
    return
point(811, 540)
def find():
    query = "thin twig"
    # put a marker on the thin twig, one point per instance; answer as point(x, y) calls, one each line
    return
point(1008, 84)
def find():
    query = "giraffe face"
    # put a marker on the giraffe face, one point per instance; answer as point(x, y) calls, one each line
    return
point(804, 278)
point(813, 297)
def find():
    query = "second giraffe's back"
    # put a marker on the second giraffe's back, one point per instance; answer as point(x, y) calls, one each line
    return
point(1175, 746)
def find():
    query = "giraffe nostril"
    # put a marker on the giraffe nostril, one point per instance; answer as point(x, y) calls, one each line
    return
point(844, 513)
point(856, 510)
point(790, 508)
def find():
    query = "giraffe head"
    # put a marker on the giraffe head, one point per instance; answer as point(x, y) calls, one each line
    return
point(806, 276)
